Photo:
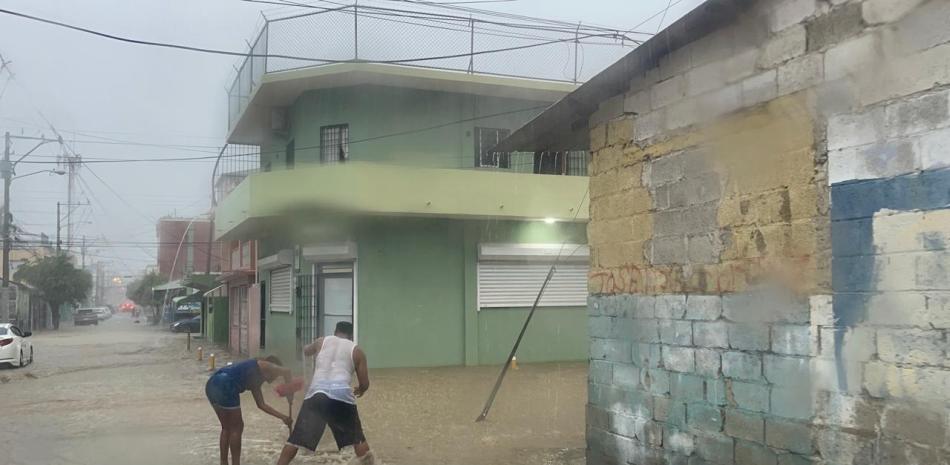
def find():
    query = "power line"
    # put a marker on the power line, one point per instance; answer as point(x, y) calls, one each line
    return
point(289, 57)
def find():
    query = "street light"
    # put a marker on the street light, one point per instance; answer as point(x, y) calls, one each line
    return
point(56, 172)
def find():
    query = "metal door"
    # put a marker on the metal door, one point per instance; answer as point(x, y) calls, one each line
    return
point(335, 291)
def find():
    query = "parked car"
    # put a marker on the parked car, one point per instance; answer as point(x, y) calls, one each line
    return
point(190, 325)
point(103, 313)
point(15, 345)
point(85, 316)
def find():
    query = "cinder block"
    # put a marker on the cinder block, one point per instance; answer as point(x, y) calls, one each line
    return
point(657, 381)
point(792, 340)
point(645, 331)
point(708, 363)
point(792, 436)
point(851, 58)
point(677, 414)
point(820, 307)
point(783, 46)
point(759, 88)
point(680, 442)
point(899, 451)
point(676, 332)
point(661, 408)
point(716, 392)
point(607, 110)
point(742, 365)
point(600, 372)
point(851, 130)
point(934, 149)
point(801, 73)
point(796, 402)
point(891, 78)
point(674, 63)
point(911, 346)
point(879, 160)
point(648, 125)
point(647, 355)
point(748, 453)
point(787, 371)
point(847, 411)
point(837, 446)
point(665, 170)
point(686, 388)
point(672, 306)
point(792, 459)
point(627, 426)
point(789, 12)
point(886, 11)
point(704, 417)
point(921, 29)
point(598, 136)
point(748, 336)
point(681, 359)
point(719, 102)
point(637, 102)
point(705, 78)
point(703, 307)
point(750, 396)
point(715, 448)
point(741, 64)
point(858, 343)
point(915, 115)
point(710, 334)
point(626, 376)
point(745, 425)
point(837, 25)
point(917, 383)
point(667, 92)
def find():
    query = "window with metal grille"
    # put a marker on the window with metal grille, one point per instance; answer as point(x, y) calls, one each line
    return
point(281, 289)
point(335, 143)
point(485, 140)
point(567, 163)
point(516, 284)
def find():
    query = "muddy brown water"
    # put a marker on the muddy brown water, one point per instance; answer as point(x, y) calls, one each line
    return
point(121, 393)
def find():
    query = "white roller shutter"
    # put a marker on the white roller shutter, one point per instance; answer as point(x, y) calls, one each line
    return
point(281, 289)
point(516, 284)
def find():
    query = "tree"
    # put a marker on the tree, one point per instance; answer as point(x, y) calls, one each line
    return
point(141, 293)
point(56, 281)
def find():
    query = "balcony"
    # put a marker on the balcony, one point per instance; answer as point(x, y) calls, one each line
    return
point(419, 40)
point(264, 201)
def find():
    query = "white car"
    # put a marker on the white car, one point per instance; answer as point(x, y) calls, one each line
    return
point(15, 346)
point(103, 313)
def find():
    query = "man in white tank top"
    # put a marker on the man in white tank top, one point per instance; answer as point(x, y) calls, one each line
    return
point(331, 400)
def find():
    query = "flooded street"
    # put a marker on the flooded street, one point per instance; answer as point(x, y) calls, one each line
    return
point(123, 393)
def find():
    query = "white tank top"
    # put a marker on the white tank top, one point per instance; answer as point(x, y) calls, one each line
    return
point(334, 371)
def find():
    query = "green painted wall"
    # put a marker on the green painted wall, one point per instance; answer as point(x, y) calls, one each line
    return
point(416, 294)
point(217, 320)
point(373, 111)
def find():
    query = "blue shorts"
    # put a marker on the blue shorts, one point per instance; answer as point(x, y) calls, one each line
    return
point(222, 391)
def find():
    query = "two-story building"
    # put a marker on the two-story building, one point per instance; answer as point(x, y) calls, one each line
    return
point(377, 199)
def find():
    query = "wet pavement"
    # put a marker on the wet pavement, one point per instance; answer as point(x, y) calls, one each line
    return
point(121, 393)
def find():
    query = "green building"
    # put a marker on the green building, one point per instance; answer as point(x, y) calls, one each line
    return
point(371, 194)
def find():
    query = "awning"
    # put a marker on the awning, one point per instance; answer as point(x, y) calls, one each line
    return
point(181, 298)
point(212, 291)
point(169, 286)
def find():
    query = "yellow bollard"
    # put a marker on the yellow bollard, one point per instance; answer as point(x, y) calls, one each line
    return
point(200, 353)
point(210, 362)
point(514, 363)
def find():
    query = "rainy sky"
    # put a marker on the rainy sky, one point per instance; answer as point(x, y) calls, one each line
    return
point(112, 100)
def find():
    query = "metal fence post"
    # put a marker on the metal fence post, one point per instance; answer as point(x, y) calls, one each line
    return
point(356, 37)
point(576, 44)
point(471, 41)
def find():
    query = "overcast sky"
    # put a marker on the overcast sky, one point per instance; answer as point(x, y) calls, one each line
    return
point(91, 88)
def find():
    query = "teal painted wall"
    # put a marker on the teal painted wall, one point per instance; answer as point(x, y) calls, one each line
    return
point(217, 320)
point(416, 294)
point(373, 111)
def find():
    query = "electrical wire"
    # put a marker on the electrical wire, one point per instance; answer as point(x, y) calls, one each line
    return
point(289, 57)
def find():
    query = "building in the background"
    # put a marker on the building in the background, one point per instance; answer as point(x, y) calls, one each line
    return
point(183, 247)
point(22, 254)
point(779, 291)
point(374, 196)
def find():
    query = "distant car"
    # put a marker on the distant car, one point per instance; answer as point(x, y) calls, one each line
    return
point(15, 346)
point(127, 306)
point(103, 313)
point(190, 325)
point(86, 316)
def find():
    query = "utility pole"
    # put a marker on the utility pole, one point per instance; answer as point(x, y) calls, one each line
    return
point(59, 241)
point(6, 169)
point(83, 251)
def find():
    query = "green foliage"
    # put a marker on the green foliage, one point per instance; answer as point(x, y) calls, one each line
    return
point(56, 281)
point(141, 293)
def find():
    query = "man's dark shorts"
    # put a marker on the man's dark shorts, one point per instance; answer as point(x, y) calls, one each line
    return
point(320, 411)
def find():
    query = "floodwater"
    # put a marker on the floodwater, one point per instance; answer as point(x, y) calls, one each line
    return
point(120, 393)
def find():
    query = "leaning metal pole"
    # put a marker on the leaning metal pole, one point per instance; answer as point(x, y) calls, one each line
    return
point(524, 327)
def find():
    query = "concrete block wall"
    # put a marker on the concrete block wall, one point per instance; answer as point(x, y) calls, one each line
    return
point(770, 214)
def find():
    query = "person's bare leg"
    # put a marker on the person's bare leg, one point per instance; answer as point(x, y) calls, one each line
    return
point(361, 449)
point(287, 454)
point(223, 439)
point(236, 429)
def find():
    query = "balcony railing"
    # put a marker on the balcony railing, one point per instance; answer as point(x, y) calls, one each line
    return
point(414, 38)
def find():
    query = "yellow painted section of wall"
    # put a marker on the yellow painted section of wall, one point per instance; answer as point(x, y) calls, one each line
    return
point(772, 211)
